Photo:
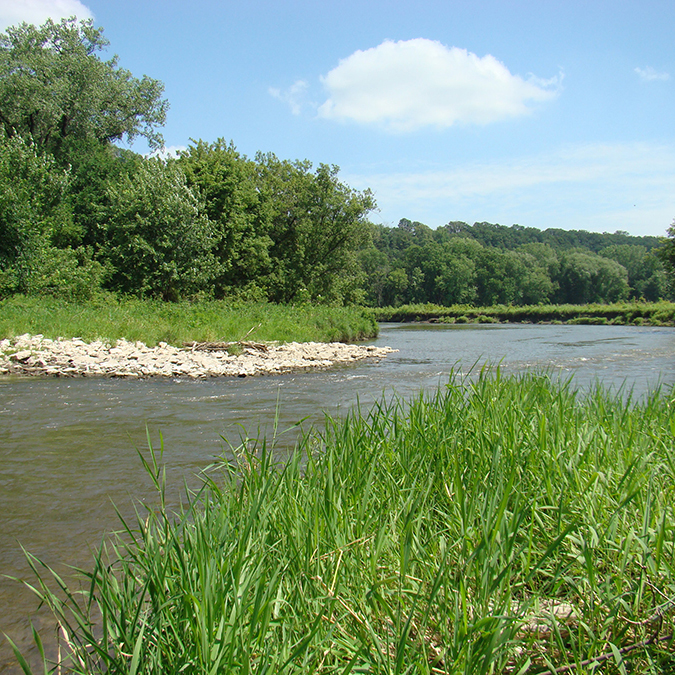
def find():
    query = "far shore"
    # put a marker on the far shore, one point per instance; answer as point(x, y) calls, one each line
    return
point(36, 355)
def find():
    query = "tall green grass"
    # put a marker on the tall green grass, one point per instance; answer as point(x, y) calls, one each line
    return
point(499, 525)
point(153, 321)
point(660, 313)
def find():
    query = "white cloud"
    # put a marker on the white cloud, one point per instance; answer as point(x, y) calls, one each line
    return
point(574, 165)
point(594, 187)
point(417, 83)
point(648, 74)
point(13, 12)
point(295, 95)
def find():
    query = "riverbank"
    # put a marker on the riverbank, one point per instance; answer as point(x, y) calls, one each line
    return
point(40, 356)
point(109, 318)
point(620, 313)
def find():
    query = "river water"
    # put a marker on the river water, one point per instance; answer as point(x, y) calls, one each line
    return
point(68, 447)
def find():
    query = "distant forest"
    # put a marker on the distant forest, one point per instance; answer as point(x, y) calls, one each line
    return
point(79, 216)
point(486, 264)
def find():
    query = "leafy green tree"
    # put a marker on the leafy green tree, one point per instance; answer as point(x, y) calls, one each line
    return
point(54, 86)
point(93, 169)
point(375, 267)
point(455, 283)
point(499, 277)
point(228, 183)
point(449, 270)
point(586, 277)
point(317, 226)
point(395, 287)
point(159, 243)
point(545, 255)
point(34, 217)
point(646, 277)
point(666, 254)
point(536, 285)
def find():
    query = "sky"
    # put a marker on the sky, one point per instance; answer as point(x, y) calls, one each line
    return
point(540, 113)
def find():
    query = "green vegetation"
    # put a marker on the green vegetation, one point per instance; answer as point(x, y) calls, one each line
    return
point(55, 89)
point(486, 264)
point(622, 313)
point(499, 525)
point(111, 318)
point(79, 215)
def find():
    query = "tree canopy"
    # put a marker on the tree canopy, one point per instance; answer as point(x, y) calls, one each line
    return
point(486, 263)
point(78, 214)
point(54, 86)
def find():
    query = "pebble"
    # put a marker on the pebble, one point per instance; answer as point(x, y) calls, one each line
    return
point(36, 355)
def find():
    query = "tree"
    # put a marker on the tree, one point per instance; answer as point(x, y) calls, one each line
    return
point(93, 169)
point(53, 86)
point(376, 268)
point(586, 277)
point(666, 254)
point(645, 271)
point(317, 226)
point(35, 217)
point(158, 240)
point(227, 181)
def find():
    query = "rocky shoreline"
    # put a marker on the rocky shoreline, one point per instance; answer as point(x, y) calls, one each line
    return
point(39, 356)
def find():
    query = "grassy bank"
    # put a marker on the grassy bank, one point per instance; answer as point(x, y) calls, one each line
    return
point(502, 526)
point(623, 313)
point(154, 321)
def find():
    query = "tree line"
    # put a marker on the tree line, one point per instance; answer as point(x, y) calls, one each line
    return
point(78, 214)
point(486, 264)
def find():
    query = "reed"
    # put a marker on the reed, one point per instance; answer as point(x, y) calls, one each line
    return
point(151, 321)
point(639, 313)
point(497, 525)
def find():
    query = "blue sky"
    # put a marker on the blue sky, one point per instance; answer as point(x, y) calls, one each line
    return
point(545, 114)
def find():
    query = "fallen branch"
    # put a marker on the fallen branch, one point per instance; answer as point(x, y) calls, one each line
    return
point(224, 346)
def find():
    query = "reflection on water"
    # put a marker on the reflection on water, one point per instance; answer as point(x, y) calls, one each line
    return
point(68, 447)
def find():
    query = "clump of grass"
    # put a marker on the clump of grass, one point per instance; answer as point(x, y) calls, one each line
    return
point(625, 313)
point(152, 321)
point(498, 525)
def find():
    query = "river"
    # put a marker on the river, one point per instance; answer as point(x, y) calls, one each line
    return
point(68, 446)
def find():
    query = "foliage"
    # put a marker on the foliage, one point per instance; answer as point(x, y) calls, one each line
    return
point(53, 86)
point(487, 264)
point(498, 525)
point(510, 238)
point(158, 242)
point(660, 313)
point(666, 253)
point(234, 205)
point(317, 224)
point(94, 168)
point(34, 217)
point(588, 278)
point(108, 317)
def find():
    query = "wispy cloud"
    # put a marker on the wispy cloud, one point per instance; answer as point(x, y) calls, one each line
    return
point(595, 187)
point(648, 74)
point(295, 96)
point(13, 12)
point(403, 86)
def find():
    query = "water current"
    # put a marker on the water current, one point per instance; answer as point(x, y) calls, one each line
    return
point(68, 447)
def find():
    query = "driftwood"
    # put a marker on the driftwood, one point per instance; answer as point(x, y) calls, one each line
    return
point(225, 346)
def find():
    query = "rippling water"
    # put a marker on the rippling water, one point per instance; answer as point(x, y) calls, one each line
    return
point(68, 446)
